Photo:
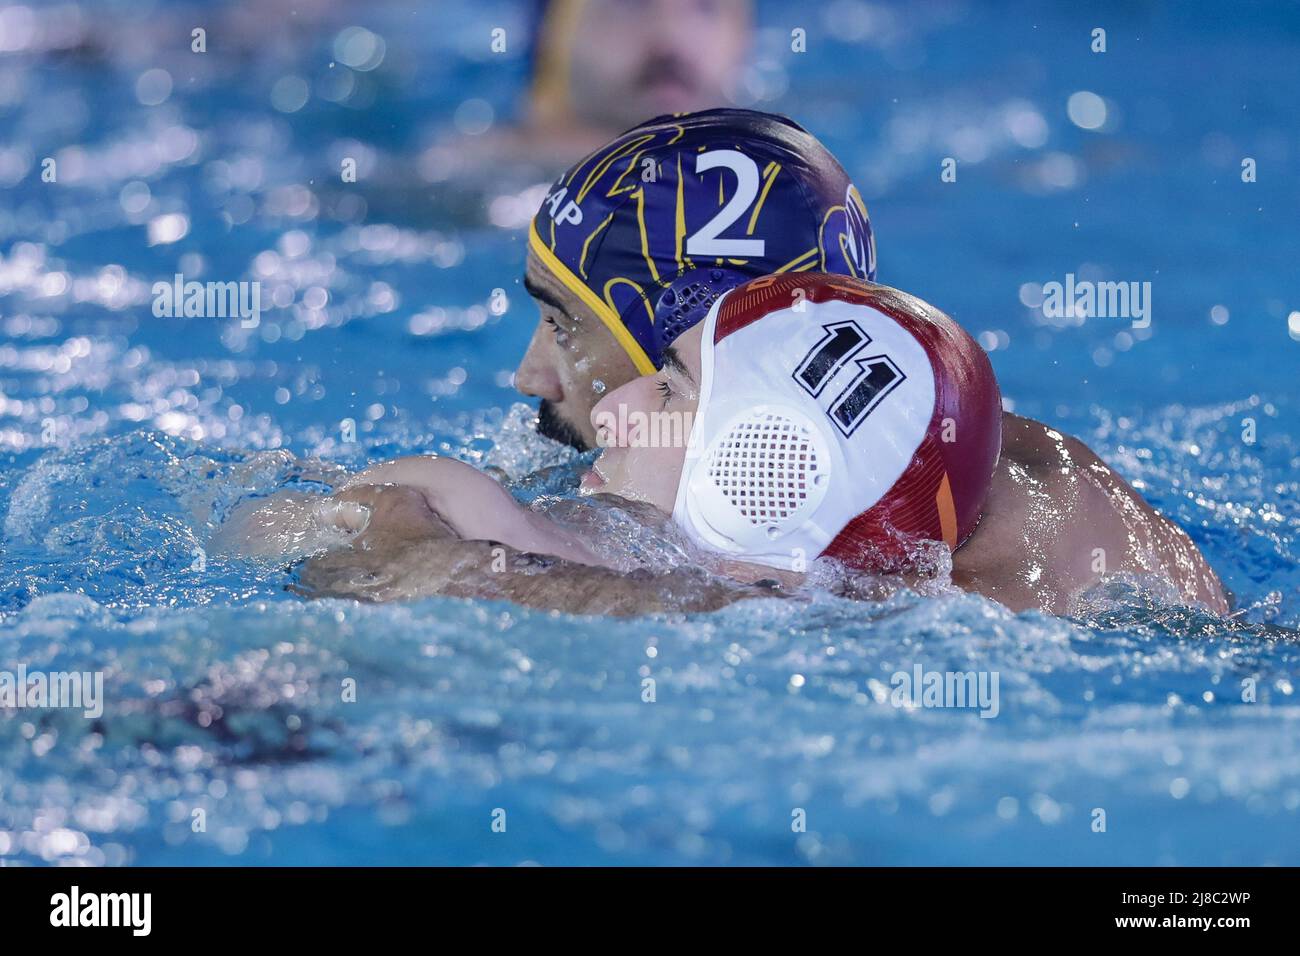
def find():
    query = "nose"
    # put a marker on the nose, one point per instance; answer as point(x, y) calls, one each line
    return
point(536, 374)
point(612, 417)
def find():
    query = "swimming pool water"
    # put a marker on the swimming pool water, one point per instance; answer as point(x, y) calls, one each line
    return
point(124, 439)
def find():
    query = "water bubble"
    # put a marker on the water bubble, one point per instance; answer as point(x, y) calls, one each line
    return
point(134, 197)
point(359, 48)
point(290, 94)
point(1087, 110)
point(474, 117)
point(153, 87)
point(168, 228)
point(1026, 125)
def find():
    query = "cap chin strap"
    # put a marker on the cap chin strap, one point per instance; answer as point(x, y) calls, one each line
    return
point(599, 306)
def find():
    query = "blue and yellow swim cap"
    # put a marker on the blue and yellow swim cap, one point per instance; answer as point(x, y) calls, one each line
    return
point(651, 229)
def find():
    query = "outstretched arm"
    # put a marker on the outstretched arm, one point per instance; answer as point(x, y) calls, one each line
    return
point(454, 500)
point(399, 556)
point(474, 506)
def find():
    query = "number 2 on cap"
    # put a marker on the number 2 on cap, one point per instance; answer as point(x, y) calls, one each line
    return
point(705, 241)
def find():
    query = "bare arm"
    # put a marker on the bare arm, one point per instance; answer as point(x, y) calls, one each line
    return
point(466, 503)
point(1058, 520)
point(406, 551)
point(475, 507)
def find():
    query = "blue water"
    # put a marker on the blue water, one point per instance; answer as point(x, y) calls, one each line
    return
point(124, 439)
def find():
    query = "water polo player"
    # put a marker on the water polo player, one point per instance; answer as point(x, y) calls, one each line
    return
point(830, 418)
point(583, 346)
point(633, 244)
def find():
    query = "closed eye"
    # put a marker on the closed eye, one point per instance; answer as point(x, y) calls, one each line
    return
point(559, 331)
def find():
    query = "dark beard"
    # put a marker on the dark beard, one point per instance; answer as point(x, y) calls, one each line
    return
point(550, 424)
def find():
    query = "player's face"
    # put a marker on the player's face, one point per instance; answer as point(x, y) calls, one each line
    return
point(644, 428)
point(634, 59)
point(572, 362)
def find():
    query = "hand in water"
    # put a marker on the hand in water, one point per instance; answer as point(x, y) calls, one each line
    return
point(402, 549)
point(289, 526)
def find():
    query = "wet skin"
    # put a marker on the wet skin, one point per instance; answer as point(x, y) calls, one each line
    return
point(1056, 523)
point(1049, 533)
point(1055, 511)
point(1057, 520)
point(572, 361)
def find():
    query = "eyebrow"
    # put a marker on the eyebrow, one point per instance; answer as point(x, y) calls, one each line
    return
point(674, 361)
point(544, 295)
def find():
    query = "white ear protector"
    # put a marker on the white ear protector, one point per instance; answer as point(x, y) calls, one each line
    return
point(777, 464)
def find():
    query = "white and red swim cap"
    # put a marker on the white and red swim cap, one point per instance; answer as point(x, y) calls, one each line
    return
point(836, 418)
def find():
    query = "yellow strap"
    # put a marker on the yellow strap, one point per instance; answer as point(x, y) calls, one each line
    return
point(592, 301)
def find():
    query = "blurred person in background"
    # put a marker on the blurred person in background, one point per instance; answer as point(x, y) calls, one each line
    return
point(596, 69)
point(600, 67)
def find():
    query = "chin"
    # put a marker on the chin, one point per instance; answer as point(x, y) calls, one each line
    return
point(552, 424)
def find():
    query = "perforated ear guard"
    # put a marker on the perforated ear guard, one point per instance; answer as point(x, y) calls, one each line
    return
point(755, 473)
point(757, 483)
